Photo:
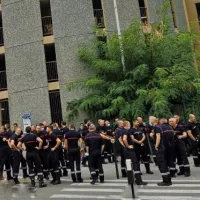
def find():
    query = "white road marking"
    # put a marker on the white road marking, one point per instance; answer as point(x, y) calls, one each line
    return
point(92, 190)
point(191, 185)
point(68, 196)
point(157, 191)
point(102, 184)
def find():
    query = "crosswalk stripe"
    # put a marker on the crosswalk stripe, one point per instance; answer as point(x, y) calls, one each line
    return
point(102, 184)
point(156, 191)
point(68, 196)
point(166, 198)
point(92, 190)
point(173, 186)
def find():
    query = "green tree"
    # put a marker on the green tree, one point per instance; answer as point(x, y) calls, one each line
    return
point(160, 77)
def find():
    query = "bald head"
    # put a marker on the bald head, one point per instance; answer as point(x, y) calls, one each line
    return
point(92, 128)
point(140, 120)
point(192, 118)
point(163, 121)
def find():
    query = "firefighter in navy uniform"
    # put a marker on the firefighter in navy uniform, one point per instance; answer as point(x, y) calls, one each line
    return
point(119, 143)
point(72, 144)
point(53, 161)
point(101, 129)
point(30, 141)
point(169, 143)
point(94, 148)
point(44, 151)
point(160, 153)
point(60, 135)
point(16, 154)
point(180, 149)
point(129, 151)
point(22, 160)
point(141, 150)
point(193, 135)
point(65, 129)
point(5, 153)
point(108, 144)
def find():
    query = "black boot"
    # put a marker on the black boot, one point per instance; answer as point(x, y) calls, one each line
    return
point(138, 180)
point(79, 178)
point(187, 171)
point(172, 173)
point(166, 181)
point(32, 181)
point(57, 179)
point(65, 172)
point(9, 177)
point(94, 178)
point(73, 177)
point(54, 177)
point(124, 174)
point(1, 176)
point(41, 183)
point(60, 172)
point(46, 175)
point(147, 166)
point(16, 181)
point(25, 175)
point(101, 177)
point(181, 171)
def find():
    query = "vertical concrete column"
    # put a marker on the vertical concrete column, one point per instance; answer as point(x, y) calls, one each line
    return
point(25, 60)
point(73, 23)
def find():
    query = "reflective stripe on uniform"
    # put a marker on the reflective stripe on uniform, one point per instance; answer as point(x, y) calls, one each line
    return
point(186, 165)
point(195, 156)
point(78, 172)
point(101, 174)
point(40, 174)
point(56, 171)
point(165, 174)
point(137, 172)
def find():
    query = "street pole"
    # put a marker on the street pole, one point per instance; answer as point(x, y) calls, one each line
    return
point(119, 35)
point(115, 157)
point(130, 176)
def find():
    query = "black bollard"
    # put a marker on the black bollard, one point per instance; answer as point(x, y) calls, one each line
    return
point(130, 176)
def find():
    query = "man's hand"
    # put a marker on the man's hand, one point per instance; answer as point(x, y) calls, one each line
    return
point(180, 137)
point(4, 139)
point(53, 149)
point(130, 146)
point(139, 142)
point(112, 141)
point(37, 148)
point(156, 148)
point(86, 154)
point(151, 135)
point(45, 147)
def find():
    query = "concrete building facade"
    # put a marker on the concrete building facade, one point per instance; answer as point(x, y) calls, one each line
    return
point(39, 42)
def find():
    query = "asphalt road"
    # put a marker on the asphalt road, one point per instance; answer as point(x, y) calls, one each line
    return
point(113, 189)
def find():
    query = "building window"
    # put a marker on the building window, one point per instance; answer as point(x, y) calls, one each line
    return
point(4, 112)
point(55, 105)
point(1, 31)
point(3, 81)
point(51, 64)
point(47, 24)
point(98, 13)
point(143, 11)
point(198, 11)
point(173, 13)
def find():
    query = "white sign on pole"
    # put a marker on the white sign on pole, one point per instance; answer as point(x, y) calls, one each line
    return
point(26, 120)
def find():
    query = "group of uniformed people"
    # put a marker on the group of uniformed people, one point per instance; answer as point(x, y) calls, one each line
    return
point(52, 149)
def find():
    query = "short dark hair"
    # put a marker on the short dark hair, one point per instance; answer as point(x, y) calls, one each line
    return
point(15, 124)
point(64, 123)
point(50, 127)
point(71, 126)
point(28, 129)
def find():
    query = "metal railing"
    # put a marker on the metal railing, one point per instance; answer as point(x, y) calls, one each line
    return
point(99, 18)
point(52, 72)
point(47, 25)
point(1, 36)
point(3, 80)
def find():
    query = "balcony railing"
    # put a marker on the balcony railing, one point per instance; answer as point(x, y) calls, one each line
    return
point(143, 13)
point(99, 19)
point(52, 73)
point(3, 81)
point(1, 37)
point(47, 26)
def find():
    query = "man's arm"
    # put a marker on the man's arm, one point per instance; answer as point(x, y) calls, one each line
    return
point(190, 135)
point(40, 143)
point(126, 142)
point(12, 145)
point(19, 146)
point(66, 144)
point(58, 141)
point(157, 140)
